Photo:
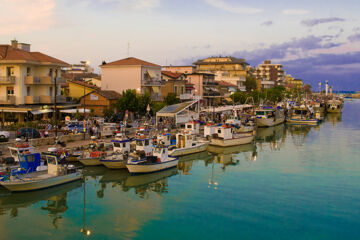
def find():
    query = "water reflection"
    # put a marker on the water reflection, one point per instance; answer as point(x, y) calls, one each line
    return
point(334, 118)
point(55, 205)
point(275, 136)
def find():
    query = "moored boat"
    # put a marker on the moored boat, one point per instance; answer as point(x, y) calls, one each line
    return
point(158, 161)
point(117, 160)
point(303, 115)
point(226, 135)
point(268, 117)
point(186, 144)
point(56, 174)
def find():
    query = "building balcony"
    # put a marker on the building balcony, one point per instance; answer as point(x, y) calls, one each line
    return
point(60, 80)
point(210, 83)
point(151, 83)
point(31, 99)
point(7, 100)
point(60, 99)
point(186, 96)
point(31, 80)
point(45, 99)
point(7, 80)
point(212, 94)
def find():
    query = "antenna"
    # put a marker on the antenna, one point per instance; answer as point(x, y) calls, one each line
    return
point(128, 49)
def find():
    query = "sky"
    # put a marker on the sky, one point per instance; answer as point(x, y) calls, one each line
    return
point(315, 40)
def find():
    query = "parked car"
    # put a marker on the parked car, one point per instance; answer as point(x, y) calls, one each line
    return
point(28, 133)
point(4, 136)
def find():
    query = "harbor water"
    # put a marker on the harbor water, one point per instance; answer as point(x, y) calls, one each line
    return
point(295, 182)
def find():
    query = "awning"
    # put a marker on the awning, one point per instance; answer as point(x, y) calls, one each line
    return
point(42, 111)
point(75, 110)
point(156, 89)
point(151, 73)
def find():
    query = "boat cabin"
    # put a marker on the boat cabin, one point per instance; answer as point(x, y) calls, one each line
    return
point(122, 146)
point(224, 132)
point(265, 113)
point(28, 163)
point(55, 161)
point(192, 127)
point(209, 129)
point(164, 139)
point(145, 145)
point(185, 140)
point(161, 153)
point(20, 148)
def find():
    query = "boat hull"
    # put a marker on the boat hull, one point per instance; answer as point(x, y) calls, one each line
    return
point(90, 161)
point(191, 150)
point(31, 185)
point(269, 122)
point(304, 121)
point(334, 110)
point(148, 168)
point(114, 164)
point(232, 142)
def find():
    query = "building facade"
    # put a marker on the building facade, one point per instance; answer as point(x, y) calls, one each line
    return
point(28, 82)
point(99, 100)
point(269, 75)
point(180, 69)
point(173, 83)
point(229, 69)
point(205, 88)
point(132, 73)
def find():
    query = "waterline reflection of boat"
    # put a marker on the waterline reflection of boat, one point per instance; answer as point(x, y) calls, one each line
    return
point(25, 199)
point(139, 180)
point(231, 150)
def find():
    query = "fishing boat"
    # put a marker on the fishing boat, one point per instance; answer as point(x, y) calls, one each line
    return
point(302, 115)
point(56, 174)
point(186, 144)
point(158, 161)
point(334, 106)
point(269, 116)
point(121, 150)
point(92, 155)
point(227, 135)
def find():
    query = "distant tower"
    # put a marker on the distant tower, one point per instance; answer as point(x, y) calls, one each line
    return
point(320, 87)
point(326, 87)
point(330, 91)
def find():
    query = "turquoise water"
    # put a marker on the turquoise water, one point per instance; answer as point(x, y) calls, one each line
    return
point(296, 183)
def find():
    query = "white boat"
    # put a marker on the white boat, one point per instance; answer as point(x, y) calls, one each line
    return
point(186, 144)
point(227, 135)
point(159, 161)
point(268, 117)
point(56, 174)
point(121, 150)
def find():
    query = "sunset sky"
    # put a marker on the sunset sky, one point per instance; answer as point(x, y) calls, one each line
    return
point(315, 40)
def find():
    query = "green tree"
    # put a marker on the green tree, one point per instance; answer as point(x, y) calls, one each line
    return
point(239, 97)
point(108, 112)
point(156, 106)
point(171, 98)
point(128, 101)
point(143, 101)
point(250, 84)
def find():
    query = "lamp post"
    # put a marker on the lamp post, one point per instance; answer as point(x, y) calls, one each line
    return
point(55, 93)
point(84, 107)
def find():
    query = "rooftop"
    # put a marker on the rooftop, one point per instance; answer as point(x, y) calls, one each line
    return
point(172, 74)
point(82, 83)
point(221, 60)
point(225, 84)
point(9, 53)
point(131, 61)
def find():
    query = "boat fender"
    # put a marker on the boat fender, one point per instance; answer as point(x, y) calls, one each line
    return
point(158, 159)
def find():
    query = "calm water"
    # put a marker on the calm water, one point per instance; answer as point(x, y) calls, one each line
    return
point(296, 183)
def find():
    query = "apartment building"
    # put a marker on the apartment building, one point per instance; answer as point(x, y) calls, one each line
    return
point(205, 88)
point(132, 73)
point(173, 83)
point(180, 69)
point(269, 75)
point(228, 69)
point(29, 82)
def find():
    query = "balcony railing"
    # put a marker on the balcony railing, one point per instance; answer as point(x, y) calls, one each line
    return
point(60, 80)
point(60, 99)
point(31, 99)
point(151, 83)
point(45, 99)
point(211, 94)
point(31, 80)
point(7, 80)
point(210, 83)
point(186, 96)
point(7, 100)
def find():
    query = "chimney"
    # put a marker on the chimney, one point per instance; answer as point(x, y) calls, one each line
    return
point(14, 43)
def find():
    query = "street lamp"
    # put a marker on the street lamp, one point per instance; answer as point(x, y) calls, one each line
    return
point(84, 106)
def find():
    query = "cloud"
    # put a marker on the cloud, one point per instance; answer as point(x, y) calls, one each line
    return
point(317, 21)
point(295, 11)
point(354, 38)
point(19, 16)
point(127, 4)
point(222, 4)
point(267, 23)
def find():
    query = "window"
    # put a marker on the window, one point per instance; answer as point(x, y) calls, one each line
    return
point(28, 91)
point(10, 71)
point(175, 89)
point(28, 71)
point(10, 91)
point(182, 89)
point(219, 130)
point(51, 91)
point(116, 144)
point(50, 72)
point(124, 145)
point(146, 142)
